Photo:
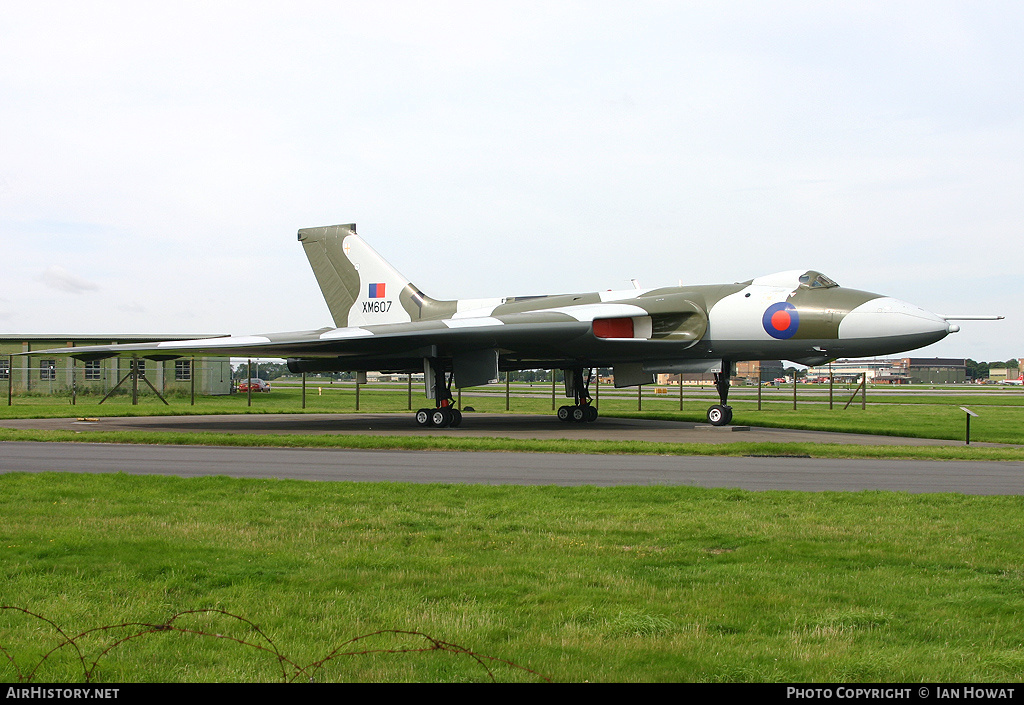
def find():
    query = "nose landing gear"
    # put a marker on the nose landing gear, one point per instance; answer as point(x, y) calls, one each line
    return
point(721, 414)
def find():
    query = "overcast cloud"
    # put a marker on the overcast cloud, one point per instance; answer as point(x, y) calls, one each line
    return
point(56, 277)
point(160, 159)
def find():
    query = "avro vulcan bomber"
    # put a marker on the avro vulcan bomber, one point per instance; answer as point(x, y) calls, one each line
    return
point(384, 322)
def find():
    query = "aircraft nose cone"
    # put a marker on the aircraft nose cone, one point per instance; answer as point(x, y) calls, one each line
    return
point(889, 318)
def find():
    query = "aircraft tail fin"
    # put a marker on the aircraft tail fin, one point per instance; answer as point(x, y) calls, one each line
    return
point(359, 285)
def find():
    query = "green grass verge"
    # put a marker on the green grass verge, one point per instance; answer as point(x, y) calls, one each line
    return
point(579, 584)
point(939, 421)
point(490, 444)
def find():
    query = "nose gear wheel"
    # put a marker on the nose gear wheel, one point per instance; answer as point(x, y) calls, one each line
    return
point(721, 414)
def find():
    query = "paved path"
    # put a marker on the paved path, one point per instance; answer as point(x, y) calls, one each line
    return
point(804, 474)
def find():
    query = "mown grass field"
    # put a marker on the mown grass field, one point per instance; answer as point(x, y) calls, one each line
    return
point(577, 584)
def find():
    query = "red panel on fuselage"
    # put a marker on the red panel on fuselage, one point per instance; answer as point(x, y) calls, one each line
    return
point(613, 327)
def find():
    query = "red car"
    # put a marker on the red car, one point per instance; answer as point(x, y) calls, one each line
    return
point(258, 385)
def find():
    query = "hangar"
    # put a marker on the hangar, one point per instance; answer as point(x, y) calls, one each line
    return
point(31, 374)
point(906, 370)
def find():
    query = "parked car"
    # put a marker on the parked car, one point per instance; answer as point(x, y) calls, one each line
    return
point(258, 385)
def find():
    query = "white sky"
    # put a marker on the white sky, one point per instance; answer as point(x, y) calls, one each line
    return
point(156, 161)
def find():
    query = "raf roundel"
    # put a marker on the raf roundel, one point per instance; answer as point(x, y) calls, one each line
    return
point(781, 320)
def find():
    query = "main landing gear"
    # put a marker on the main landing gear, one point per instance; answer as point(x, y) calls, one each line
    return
point(445, 414)
point(721, 414)
point(581, 411)
point(442, 416)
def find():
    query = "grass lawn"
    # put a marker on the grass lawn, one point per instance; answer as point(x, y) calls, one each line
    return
point(576, 584)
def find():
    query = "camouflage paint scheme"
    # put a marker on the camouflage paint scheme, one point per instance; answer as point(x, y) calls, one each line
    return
point(384, 322)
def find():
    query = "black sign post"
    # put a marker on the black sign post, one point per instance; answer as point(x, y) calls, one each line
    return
point(969, 415)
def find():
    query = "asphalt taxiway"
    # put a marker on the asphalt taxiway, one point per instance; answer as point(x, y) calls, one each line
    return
point(756, 473)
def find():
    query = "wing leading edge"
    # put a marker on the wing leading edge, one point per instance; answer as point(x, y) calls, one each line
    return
point(609, 332)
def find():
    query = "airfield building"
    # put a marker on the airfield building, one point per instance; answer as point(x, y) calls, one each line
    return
point(747, 372)
point(906, 370)
point(1004, 374)
point(50, 375)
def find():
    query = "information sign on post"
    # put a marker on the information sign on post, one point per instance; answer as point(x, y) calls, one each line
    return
point(969, 415)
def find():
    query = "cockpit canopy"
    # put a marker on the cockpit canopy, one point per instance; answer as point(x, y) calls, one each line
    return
point(795, 278)
point(815, 280)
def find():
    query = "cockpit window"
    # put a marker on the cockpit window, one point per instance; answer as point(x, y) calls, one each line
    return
point(815, 280)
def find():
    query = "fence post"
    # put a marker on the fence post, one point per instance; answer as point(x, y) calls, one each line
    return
point(864, 379)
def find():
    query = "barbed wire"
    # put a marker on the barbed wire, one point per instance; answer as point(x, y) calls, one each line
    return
point(290, 670)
